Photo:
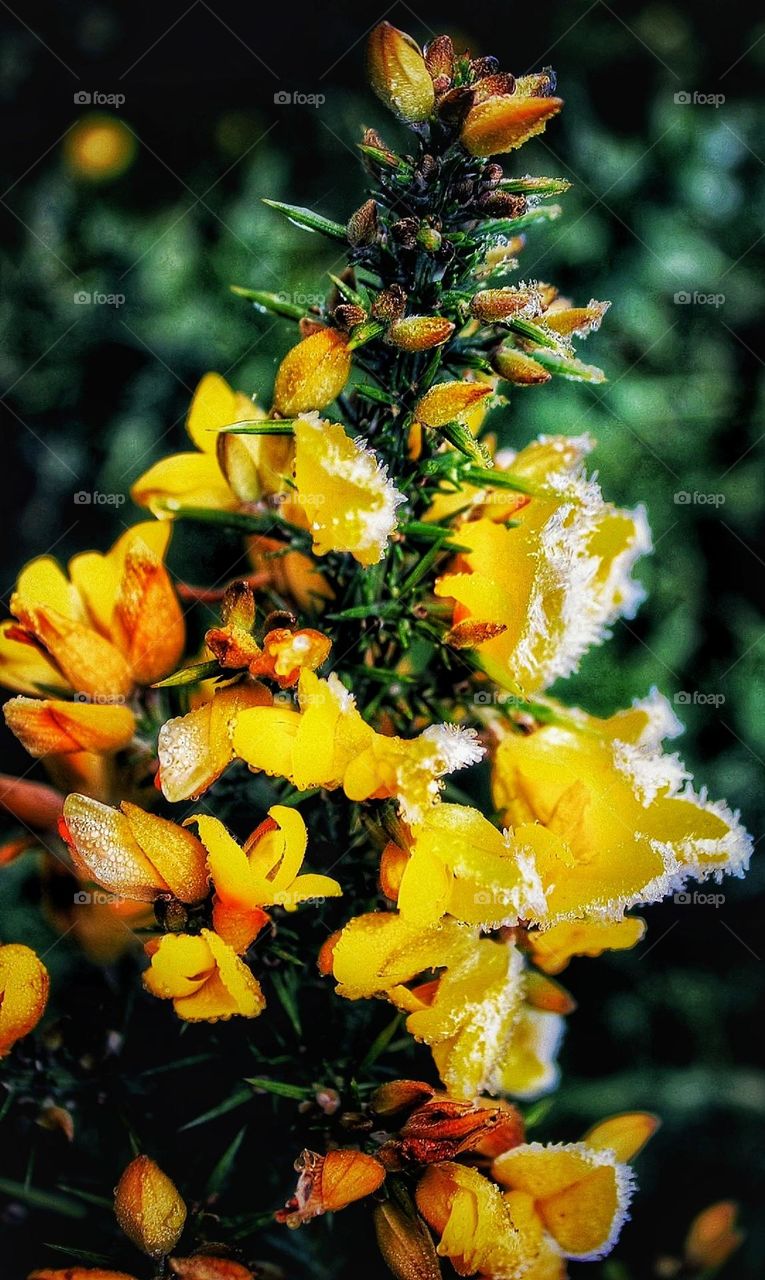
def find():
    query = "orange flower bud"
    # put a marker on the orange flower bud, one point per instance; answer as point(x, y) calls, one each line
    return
point(132, 852)
point(24, 985)
point(203, 1266)
point(399, 1095)
point(447, 401)
point(329, 1183)
point(405, 1243)
point(518, 368)
point(503, 123)
point(577, 321)
point(312, 374)
point(491, 305)
point(78, 1273)
point(91, 663)
point(713, 1236)
point(419, 333)
point(149, 1207)
point(398, 74)
point(393, 863)
point(442, 1129)
point(325, 958)
point(49, 726)
point(32, 803)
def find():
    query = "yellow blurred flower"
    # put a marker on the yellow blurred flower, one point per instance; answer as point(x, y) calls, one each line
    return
point(149, 1208)
point(344, 491)
point(99, 147)
point(24, 985)
point(612, 821)
point(327, 743)
point(227, 470)
point(713, 1236)
point(579, 1194)
point(551, 949)
point(113, 623)
point(264, 872)
point(133, 853)
point(556, 579)
point(203, 976)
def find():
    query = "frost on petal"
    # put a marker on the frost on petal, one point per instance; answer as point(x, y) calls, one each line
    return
point(344, 491)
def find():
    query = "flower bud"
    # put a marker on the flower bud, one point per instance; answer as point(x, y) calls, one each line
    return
point(713, 1237)
point(78, 1273)
point(312, 374)
point(420, 333)
point(24, 985)
point(203, 1266)
point(447, 401)
point(577, 321)
point(398, 74)
point(362, 225)
point(390, 304)
point(149, 1207)
point(405, 1243)
point(393, 863)
point(429, 238)
point(396, 1096)
point(329, 1183)
point(625, 1134)
point(132, 852)
point(498, 84)
point(492, 305)
point(504, 122)
point(439, 57)
point(49, 726)
point(518, 368)
point(442, 1129)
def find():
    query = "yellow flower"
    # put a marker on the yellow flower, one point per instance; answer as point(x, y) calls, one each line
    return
point(327, 743)
point(398, 74)
point(611, 820)
point(285, 653)
point(713, 1237)
point(262, 873)
point(506, 121)
point(312, 374)
point(112, 623)
point(195, 749)
point(462, 865)
point(24, 985)
point(149, 1207)
point(528, 1067)
point(475, 1225)
point(330, 1183)
point(227, 470)
point(579, 1193)
point(449, 401)
point(344, 491)
point(203, 976)
point(552, 949)
point(133, 853)
point(556, 579)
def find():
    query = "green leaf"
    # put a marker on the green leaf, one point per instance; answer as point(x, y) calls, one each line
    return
point(279, 1087)
point(237, 1099)
point(49, 1200)
point(536, 333)
point(350, 294)
point(189, 675)
point(380, 1043)
point(380, 609)
point(373, 393)
point(569, 367)
point(496, 479)
point(275, 303)
point(511, 226)
point(219, 1176)
point(285, 990)
point(366, 332)
point(309, 220)
point(258, 427)
point(99, 1202)
point(463, 439)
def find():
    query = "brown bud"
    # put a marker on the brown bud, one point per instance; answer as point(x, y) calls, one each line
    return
point(420, 333)
point(397, 1096)
point(455, 105)
point(390, 304)
point(347, 316)
point(521, 369)
point(405, 1243)
point(442, 1129)
point(362, 225)
point(149, 1208)
point(484, 66)
point(492, 86)
point(398, 74)
point(468, 634)
point(371, 138)
point(439, 57)
point(502, 204)
point(307, 326)
point(405, 232)
point(492, 305)
point(204, 1266)
point(238, 605)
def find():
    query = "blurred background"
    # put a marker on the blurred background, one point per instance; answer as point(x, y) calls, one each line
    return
point(138, 142)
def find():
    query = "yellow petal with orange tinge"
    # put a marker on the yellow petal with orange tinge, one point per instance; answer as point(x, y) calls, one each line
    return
point(91, 663)
point(215, 405)
point(176, 854)
point(228, 863)
point(502, 123)
point(612, 821)
point(43, 581)
point(553, 948)
point(24, 985)
point(581, 1194)
point(398, 73)
point(528, 1066)
point(469, 1214)
point(52, 727)
point(105, 849)
point(312, 374)
point(344, 490)
point(25, 668)
point(204, 978)
point(255, 465)
point(183, 480)
point(625, 1134)
point(149, 1207)
point(264, 737)
point(148, 623)
point(195, 749)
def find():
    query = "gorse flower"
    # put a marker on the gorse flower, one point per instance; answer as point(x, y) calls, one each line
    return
point(371, 703)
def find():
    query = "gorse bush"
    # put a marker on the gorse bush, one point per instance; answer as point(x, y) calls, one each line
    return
point(411, 594)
